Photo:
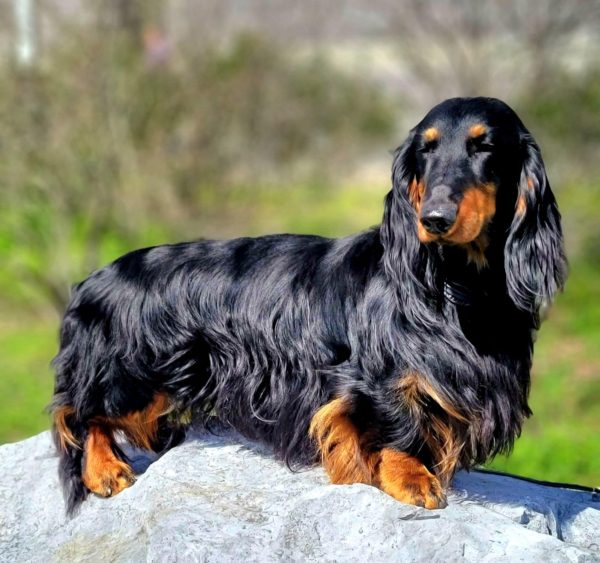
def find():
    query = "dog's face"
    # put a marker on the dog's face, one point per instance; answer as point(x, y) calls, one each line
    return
point(471, 175)
point(465, 152)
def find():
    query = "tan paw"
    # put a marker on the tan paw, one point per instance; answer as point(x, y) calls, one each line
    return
point(108, 478)
point(104, 473)
point(406, 479)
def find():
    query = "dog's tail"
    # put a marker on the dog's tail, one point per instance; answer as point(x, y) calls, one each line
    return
point(69, 428)
point(69, 437)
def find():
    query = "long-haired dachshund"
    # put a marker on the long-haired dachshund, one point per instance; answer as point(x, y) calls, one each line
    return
point(393, 356)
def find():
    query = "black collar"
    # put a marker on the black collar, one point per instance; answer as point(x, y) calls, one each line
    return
point(461, 295)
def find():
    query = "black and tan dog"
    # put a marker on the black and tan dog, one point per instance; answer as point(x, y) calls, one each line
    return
point(393, 356)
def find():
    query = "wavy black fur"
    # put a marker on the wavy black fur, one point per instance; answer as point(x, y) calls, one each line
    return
point(260, 332)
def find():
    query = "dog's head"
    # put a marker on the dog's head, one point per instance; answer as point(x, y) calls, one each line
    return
point(471, 175)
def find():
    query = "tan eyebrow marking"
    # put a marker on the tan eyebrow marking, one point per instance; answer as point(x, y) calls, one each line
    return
point(477, 130)
point(431, 134)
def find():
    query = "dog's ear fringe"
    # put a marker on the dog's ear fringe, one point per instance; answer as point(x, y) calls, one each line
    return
point(398, 228)
point(535, 262)
point(406, 261)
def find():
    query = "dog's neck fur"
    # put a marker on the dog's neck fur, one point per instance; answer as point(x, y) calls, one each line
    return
point(467, 284)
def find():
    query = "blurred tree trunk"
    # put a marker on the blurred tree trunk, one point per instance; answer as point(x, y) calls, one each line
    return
point(131, 17)
point(26, 31)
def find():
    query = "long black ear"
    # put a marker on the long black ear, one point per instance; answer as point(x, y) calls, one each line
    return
point(406, 261)
point(535, 263)
point(398, 228)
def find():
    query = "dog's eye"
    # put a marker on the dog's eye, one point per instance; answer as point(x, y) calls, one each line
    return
point(428, 148)
point(478, 146)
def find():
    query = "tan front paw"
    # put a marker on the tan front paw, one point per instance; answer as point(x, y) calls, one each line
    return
point(405, 478)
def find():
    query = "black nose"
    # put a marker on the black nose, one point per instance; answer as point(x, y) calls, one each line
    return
point(439, 219)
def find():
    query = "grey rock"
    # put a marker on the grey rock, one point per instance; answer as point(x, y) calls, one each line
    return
point(225, 499)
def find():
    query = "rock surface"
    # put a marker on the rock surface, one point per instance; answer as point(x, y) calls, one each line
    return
point(224, 499)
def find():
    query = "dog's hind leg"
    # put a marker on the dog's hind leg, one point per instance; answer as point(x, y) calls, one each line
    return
point(103, 472)
point(91, 459)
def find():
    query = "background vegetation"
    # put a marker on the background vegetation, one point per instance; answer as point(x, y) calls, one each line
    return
point(136, 123)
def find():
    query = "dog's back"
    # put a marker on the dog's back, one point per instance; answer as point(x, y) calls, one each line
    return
point(248, 332)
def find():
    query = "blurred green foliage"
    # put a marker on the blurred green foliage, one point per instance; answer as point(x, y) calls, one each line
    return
point(560, 442)
point(566, 122)
point(99, 145)
point(105, 150)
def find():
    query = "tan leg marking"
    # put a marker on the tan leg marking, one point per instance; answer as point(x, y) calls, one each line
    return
point(339, 444)
point(103, 473)
point(398, 474)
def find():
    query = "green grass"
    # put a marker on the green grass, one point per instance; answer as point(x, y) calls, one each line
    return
point(25, 378)
point(561, 441)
